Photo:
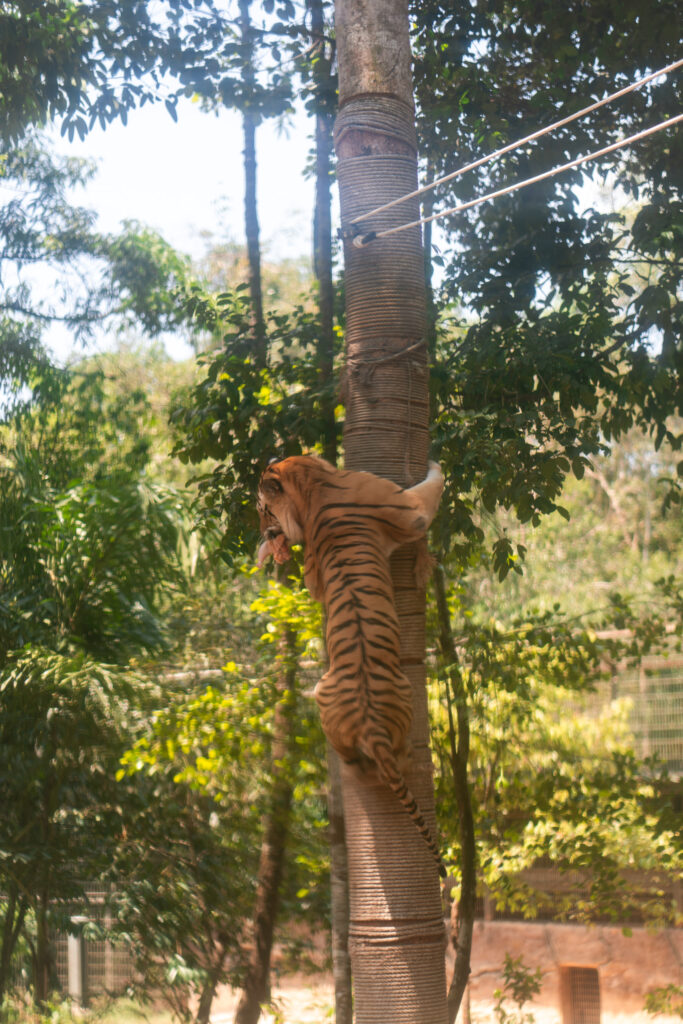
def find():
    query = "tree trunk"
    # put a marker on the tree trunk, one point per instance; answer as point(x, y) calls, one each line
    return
point(339, 884)
point(396, 926)
point(256, 989)
point(325, 96)
point(41, 953)
point(203, 1014)
point(322, 222)
point(251, 224)
point(462, 915)
point(12, 924)
point(427, 211)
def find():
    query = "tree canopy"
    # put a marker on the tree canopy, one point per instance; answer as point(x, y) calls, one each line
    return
point(566, 295)
point(85, 63)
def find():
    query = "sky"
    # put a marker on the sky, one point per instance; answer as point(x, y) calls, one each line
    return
point(186, 181)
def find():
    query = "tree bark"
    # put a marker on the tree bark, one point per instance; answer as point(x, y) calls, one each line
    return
point(339, 898)
point(322, 221)
point(12, 925)
point(251, 223)
point(325, 96)
point(462, 915)
point(396, 926)
point(256, 989)
point(203, 1014)
point(41, 951)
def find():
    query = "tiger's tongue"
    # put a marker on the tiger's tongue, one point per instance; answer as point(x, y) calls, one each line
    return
point(277, 546)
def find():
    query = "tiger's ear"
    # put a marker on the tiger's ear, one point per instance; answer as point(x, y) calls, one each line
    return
point(272, 459)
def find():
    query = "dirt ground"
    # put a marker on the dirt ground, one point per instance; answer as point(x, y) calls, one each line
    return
point(309, 999)
point(299, 999)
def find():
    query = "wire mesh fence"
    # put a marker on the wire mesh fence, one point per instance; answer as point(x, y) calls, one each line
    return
point(656, 692)
point(653, 690)
point(81, 966)
point(96, 966)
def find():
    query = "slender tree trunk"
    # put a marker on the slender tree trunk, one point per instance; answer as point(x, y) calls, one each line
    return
point(325, 94)
point(256, 990)
point(466, 1008)
point(41, 952)
point(251, 223)
point(12, 924)
point(322, 220)
point(203, 1015)
point(427, 211)
point(462, 916)
point(396, 925)
point(41, 949)
point(339, 884)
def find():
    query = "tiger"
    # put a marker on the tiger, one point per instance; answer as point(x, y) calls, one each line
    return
point(349, 523)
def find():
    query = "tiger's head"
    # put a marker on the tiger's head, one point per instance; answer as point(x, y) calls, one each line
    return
point(276, 505)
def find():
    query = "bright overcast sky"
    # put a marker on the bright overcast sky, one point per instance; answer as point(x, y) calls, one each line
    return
point(185, 180)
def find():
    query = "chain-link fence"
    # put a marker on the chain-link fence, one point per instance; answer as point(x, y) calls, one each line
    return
point(654, 690)
point(83, 967)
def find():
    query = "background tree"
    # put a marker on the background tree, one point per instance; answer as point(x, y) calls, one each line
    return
point(255, 102)
point(554, 300)
point(58, 269)
point(322, 104)
point(84, 559)
point(87, 64)
point(221, 784)
point(275, 412)
point(85, 537)
point(125, 249)
point(573, 790)
point(183, 768)
point(63, 728)
point(58, 704)
point(578, 303)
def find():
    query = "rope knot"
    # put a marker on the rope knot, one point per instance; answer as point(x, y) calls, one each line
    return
point(362, 369)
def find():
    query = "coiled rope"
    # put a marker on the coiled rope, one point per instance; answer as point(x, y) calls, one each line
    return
point(360, 240)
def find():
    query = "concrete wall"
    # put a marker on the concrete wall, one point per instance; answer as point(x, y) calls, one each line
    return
point(628, 966)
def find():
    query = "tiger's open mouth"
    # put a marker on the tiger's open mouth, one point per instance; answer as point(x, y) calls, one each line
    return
point(276, 544)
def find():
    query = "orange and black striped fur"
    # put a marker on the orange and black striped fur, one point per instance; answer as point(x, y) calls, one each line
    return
point(349, 524)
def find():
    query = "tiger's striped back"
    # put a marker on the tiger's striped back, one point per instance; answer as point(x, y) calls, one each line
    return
point(350, 523)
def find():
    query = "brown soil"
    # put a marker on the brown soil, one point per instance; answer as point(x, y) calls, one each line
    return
point(299, 998)
point(309, 999)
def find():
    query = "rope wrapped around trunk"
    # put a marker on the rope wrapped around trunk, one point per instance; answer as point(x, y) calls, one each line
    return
point(391, 871)
point(385, 379)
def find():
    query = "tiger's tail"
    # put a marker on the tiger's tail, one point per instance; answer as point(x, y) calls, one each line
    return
point(387, 767)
